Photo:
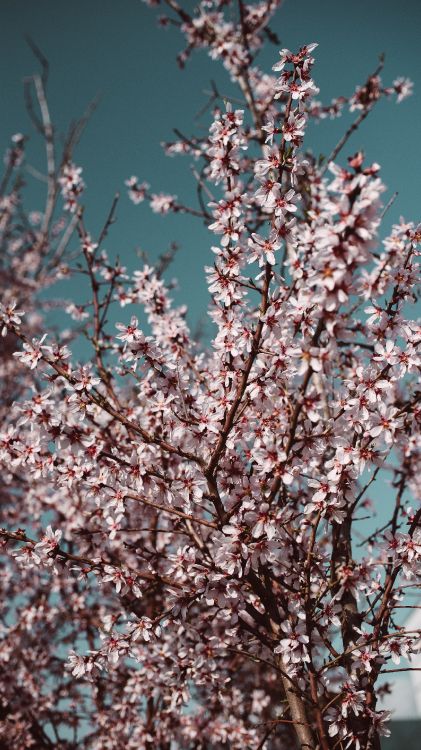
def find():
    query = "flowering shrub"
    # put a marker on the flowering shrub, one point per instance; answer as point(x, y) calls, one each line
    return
point(180, 523)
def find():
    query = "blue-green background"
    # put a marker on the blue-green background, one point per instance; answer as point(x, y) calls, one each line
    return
point(114, 48)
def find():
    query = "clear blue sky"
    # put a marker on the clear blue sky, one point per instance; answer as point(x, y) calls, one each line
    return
point(115, 49)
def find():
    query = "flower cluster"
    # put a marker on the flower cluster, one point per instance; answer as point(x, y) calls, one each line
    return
point(197, 547)
point(72, 186)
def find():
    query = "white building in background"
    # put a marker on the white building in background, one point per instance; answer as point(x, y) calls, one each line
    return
point(405, 701)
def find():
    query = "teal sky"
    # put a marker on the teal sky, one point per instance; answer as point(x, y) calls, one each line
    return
point(115, 49)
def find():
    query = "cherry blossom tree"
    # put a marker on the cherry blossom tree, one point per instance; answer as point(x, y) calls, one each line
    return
point(183, 561)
